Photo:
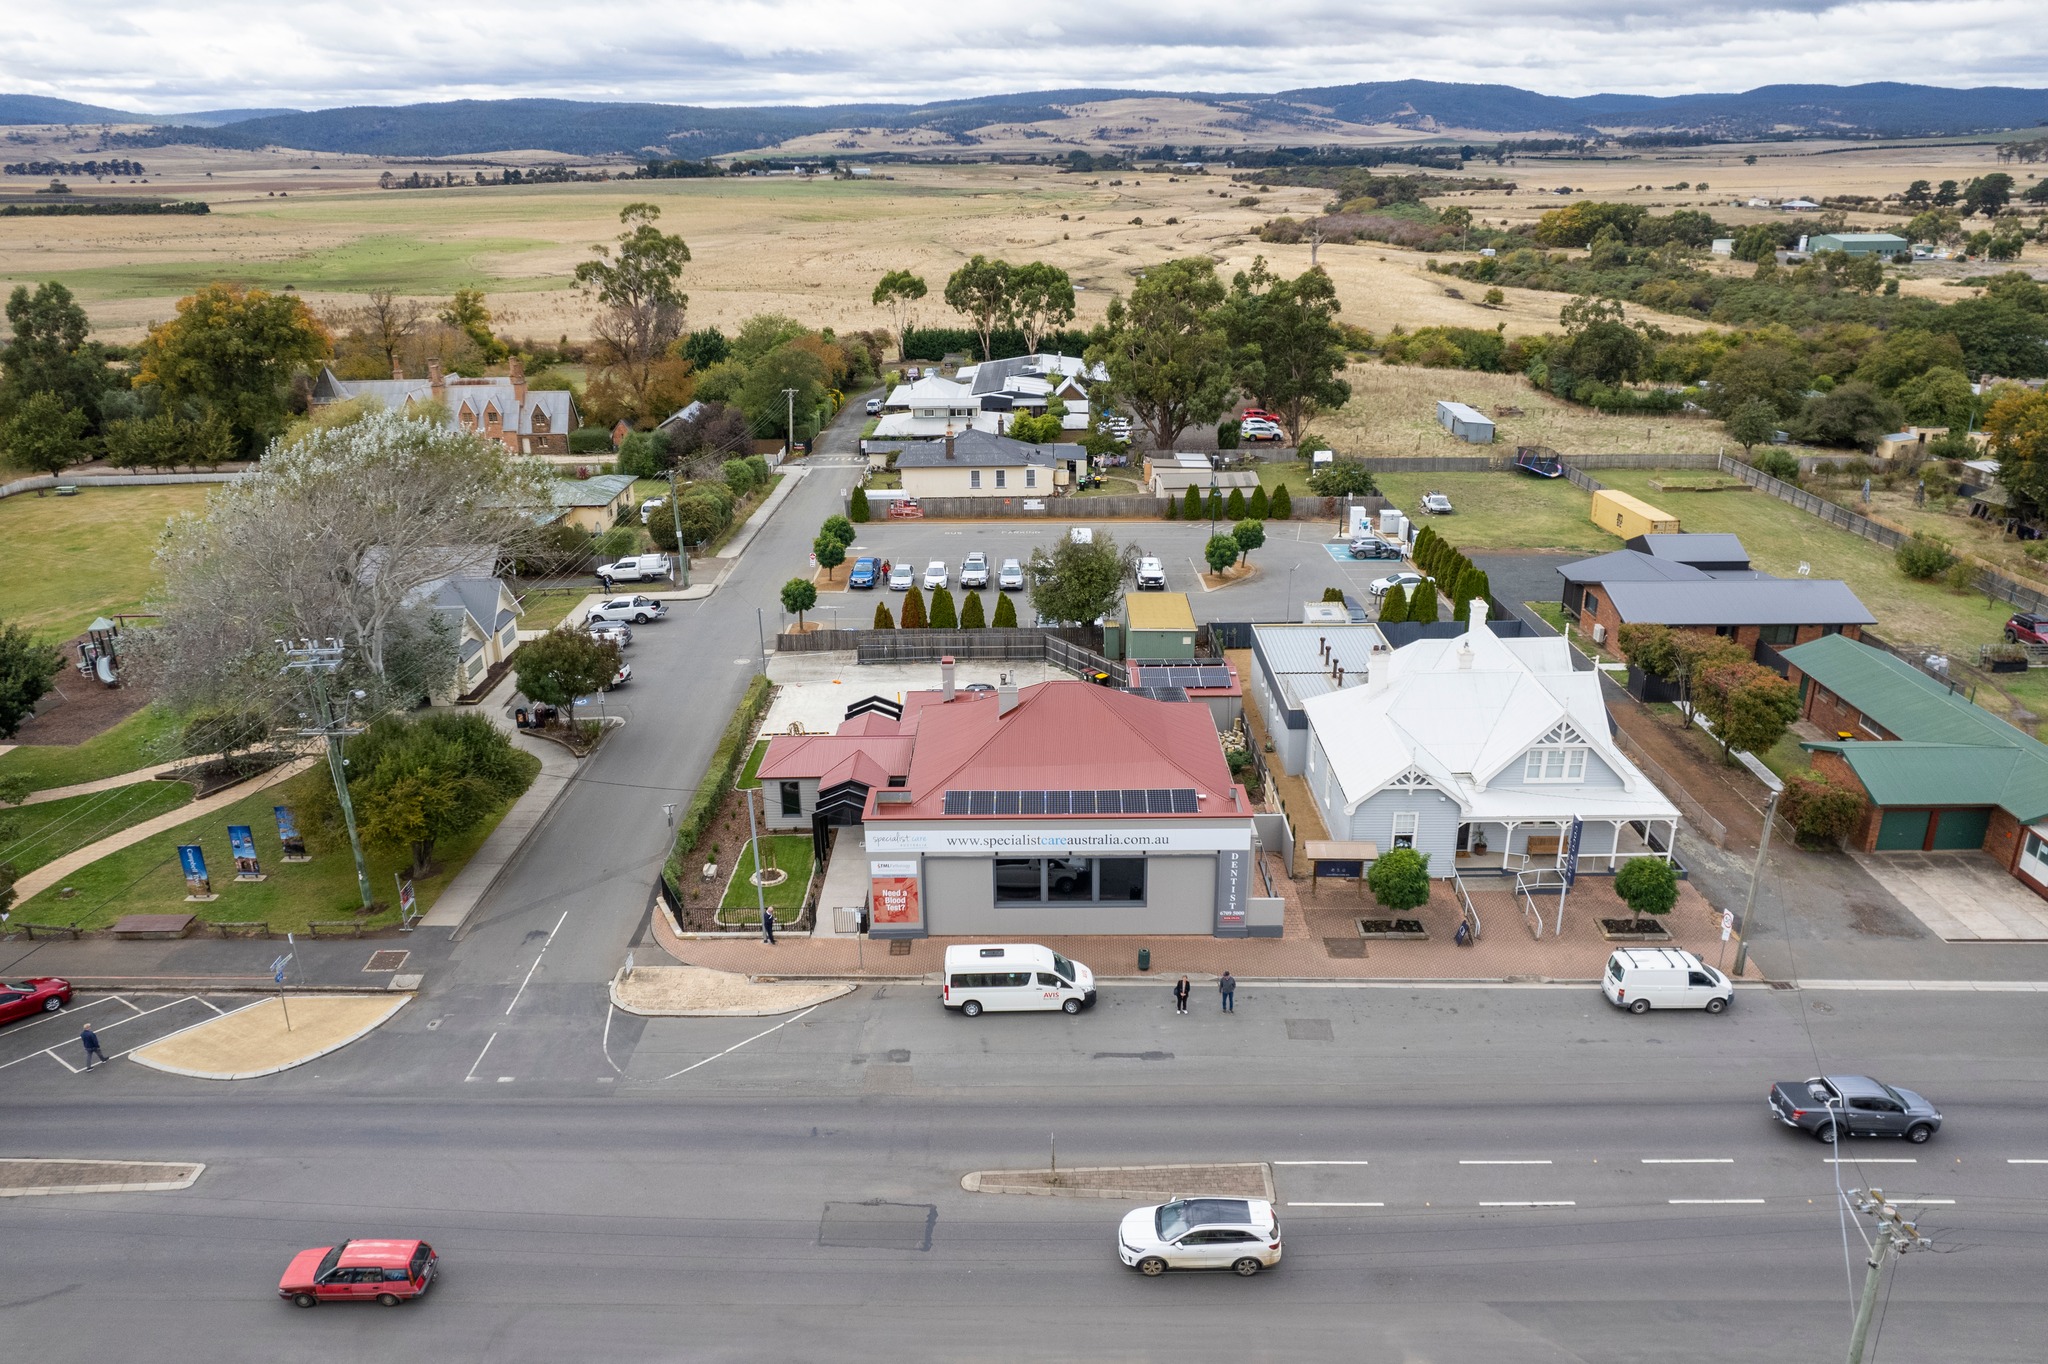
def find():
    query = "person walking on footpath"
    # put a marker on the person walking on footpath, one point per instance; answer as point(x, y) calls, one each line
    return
point(91, 1041)
point(768, 927)
point(1228, 985)
point(1181, 991)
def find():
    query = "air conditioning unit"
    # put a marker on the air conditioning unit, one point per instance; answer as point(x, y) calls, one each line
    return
point(1599, 633)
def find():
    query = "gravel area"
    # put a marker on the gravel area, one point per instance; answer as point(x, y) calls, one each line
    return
point(698, 992)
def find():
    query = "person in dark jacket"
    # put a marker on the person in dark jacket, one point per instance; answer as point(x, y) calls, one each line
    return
point(1228, 985)
point(91, 1042)
point(1181, 991)
point(768, 927)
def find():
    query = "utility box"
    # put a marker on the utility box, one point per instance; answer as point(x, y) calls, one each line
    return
point(1628, 516)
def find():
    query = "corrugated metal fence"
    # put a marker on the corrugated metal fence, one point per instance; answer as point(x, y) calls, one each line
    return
point(43, 482)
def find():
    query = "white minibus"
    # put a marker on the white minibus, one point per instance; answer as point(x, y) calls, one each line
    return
point(1010, 977)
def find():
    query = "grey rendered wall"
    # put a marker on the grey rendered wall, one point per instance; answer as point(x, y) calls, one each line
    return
point(1180, 895)
point(770, 808)
point(1599, 777)
point(1436, 826)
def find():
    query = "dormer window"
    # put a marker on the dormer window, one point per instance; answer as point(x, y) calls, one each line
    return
point(1560, 762)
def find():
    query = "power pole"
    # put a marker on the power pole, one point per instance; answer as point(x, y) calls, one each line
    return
point(1895, 1236)
point(675, 509)
point(789, 441)
point(1756, 870)
point(329, 720)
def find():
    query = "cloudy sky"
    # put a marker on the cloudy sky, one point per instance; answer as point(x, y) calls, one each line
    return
point(168, 56)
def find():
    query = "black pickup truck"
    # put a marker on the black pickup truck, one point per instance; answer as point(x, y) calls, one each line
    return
point(1834, 1106)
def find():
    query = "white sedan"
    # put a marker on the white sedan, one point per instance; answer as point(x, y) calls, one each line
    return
point(1240, 1234)
point(1010, 577)
point(935, 573)
point(1406, 580)
point(902, 577)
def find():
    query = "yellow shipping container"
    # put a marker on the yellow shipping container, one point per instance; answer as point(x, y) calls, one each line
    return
point(1628, 516)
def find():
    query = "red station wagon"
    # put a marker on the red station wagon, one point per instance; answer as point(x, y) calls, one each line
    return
point(386, 1272)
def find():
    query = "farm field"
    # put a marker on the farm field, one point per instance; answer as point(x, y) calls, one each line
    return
point(70, 559)
point(145, 877)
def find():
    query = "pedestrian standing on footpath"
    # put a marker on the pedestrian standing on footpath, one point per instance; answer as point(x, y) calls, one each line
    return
point(91, 1041)
point(1181, 991)
point(768, 927)
point(1228, 985)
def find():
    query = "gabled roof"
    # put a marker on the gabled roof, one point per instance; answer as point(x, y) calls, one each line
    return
point(975, 448)
point(1061, 735)
point(599, 490)
point(1740, 601)
point(837, 757)
point(1700, 548)
point(1629, 566)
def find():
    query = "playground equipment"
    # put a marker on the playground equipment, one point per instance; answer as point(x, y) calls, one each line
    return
point(1539, 460)
point(99, 654)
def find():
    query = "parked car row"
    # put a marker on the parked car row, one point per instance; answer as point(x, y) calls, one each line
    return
point(869, 572)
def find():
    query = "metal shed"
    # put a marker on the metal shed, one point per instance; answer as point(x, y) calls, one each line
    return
point(1466, 423)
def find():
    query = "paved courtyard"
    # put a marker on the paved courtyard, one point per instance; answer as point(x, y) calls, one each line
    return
point(1960, 896)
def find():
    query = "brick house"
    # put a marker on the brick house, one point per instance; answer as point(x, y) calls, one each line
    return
point(1940, 773)
point(501, 408)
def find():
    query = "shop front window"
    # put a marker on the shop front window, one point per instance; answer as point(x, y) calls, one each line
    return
point(1070, 880)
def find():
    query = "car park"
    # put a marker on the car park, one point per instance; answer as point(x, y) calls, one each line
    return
point(637, 609)
point(1010, 577)
point(865, 572)
point(386, 1272)
point(1151, 575)
point(974, 572)
point(35, 995)
point(612, 632)
point(1405, 580)
point(902, 577)
point(935, 574)
point(1372, 547)
point(1238, 1234)
point(1831, 1107)
point(1640, 979)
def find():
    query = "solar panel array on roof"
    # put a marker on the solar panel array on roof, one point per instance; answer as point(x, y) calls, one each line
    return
point(1184, 674)
point(1159, 693)
point(1182, 800)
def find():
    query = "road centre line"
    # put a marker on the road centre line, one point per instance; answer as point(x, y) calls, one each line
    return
point(1504, 1162)
point(536, 962)
point(479, 1059)
point(1563, 1204)
point(1869, 1160)
point(1336, 1205)
point(2027, 1162)
point(1917, 1202)
point(1322, 1162)
point(1713, 1200)
point(1689, 1160)
point(737, 1045)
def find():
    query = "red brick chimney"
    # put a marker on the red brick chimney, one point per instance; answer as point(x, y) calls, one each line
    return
point(949, 440)
point(519, 381)
point(397, 369)
point(436, 378)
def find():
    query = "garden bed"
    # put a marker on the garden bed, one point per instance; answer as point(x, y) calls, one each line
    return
point(1408, 929)
point(1633, 930)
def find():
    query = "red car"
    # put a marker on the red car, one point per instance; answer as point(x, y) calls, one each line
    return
point(2023, 628)
point(36, 995)
point(386, 1272)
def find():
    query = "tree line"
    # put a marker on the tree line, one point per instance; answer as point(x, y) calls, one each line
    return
point(117, 166)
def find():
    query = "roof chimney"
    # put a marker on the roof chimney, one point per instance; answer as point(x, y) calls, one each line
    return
point(946, 677)
point(437, 379)
point(1376, 678)
point(1464, 658)
point(1006, 695)
point(949, 440)
point(1478, 614)
point(518, 372)
point(397, 368)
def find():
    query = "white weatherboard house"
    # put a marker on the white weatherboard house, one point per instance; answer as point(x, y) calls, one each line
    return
point(1481, 751)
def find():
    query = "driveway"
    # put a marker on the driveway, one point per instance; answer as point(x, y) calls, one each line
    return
point(1961, 896)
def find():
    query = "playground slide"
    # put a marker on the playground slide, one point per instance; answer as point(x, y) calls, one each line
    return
point(103, 668)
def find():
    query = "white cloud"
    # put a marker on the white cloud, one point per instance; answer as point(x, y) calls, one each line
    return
point(172, 55)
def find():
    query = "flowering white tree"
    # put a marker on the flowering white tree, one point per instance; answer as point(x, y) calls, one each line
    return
point(338, 534)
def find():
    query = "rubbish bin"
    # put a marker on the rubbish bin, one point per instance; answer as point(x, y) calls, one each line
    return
point(1144, 959)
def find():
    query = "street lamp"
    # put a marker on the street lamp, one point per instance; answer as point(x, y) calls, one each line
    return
point(1215, 504)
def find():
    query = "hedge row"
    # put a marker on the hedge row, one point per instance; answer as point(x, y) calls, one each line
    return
point(727, 761)
point(936, 343)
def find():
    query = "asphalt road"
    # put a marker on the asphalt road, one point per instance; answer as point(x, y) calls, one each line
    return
point(798, 1197)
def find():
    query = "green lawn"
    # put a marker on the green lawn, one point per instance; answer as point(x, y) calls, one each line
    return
point(72, 558)
point(546, 606)
point(145, 878)
point(1504, 511)
point(40, 834)
point(1780, 537)
point(124, 748)
point(750, 775)
point(1291, 472)
point(786, 852)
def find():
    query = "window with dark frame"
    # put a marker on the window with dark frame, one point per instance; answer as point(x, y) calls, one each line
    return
point(792, 798)
point(1070, 880)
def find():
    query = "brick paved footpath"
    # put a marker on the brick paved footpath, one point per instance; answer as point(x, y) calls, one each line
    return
point(1507, 949)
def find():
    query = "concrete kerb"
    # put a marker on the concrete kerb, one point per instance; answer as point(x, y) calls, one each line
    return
point(840, 990)
point(189, 1172)
point(396, 1004)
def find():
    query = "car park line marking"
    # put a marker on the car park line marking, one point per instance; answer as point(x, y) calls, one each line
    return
point(51, 1051)
point(1322, 1162)
point(1688, 1160)
point(479, 1059)
point(536, 961)
point(1713, 1200)
point(1504, 1162)
point(737, 1045)
point(1336, 1205)
point(209, 1004)
point(1563, 1204)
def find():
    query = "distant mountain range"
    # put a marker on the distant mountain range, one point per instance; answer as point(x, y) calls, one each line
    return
point(1427, 108)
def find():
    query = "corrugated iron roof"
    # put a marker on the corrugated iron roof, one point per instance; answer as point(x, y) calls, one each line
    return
point(1740, 601)
point(1159, 611)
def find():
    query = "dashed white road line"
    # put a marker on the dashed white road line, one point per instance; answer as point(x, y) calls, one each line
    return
point(1712, 1200)
point(1322, 1162)
point(1336, 1205)
point(2027, 1162)
point(1504, 1162)
point(1869, 1160)
point(1689, 1160)
point(1562, 1203)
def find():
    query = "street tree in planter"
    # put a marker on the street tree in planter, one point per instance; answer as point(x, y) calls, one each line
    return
point(1647, 885)
point(563, 664)
point(840, 529)
point(1249, 534)
point(1221, 552)
point(829, 551)
point(798, 596)
point(1399, 880)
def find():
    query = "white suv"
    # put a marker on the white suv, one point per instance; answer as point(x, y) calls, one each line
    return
point(1151, 575)
point(1010, 577)
point(1240, 1234)
point(636, 608)
point(974, 572)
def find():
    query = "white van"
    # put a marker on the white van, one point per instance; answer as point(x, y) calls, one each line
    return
point(1640, 979)
point(1011, 977)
